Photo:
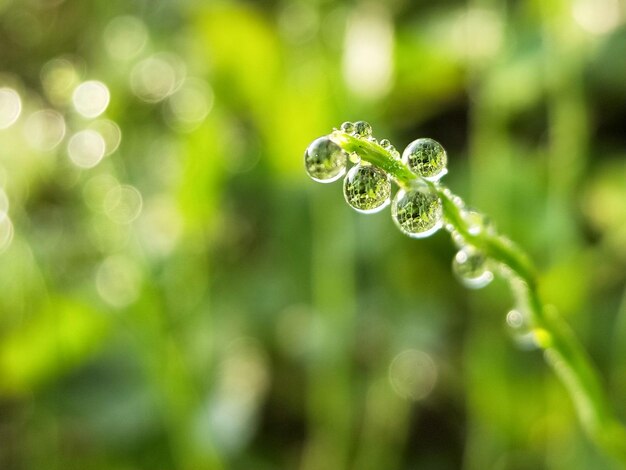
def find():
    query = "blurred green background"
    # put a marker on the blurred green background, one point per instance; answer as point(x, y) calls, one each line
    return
point(176, 294)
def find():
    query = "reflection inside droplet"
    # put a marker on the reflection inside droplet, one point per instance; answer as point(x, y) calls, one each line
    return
point(10, 107)
point(86, 148)
point(123, 204)
point(91, 98)
point(44, 129)
point(412, 374)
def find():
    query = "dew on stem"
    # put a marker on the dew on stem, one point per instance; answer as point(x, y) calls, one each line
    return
point(427, 158)
point(362, 129)
point(325, 161)
point(471, 267)
point(417, 211)
point(367, 189)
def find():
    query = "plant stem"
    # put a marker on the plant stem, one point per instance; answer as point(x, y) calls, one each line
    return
point(562, 350)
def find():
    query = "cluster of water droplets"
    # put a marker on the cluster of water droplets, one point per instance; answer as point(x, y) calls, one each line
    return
point(416, 210)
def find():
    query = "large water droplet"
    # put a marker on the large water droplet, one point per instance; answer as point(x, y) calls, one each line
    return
point(417, 211)
point(427, 158)
point(367, 189)
point(362, 129)
point(325, 161)
point(471, 267)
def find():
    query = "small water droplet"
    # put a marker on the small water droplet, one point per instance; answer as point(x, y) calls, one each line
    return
point(388, 146)
point(417, 211)
point(372, 139)
point(325, 161)
point(477, 223)
point(457, 238)
point(427, 158)
point(367, 189)
point(515, 319)
point(471, 267)
point(362, 129)
point(347, 127)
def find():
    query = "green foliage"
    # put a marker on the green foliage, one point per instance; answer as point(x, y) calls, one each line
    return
point(176, 293)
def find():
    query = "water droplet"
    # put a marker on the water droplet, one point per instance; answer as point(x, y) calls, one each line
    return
point(427, 158)
point(417, 211)
point(471, 267)
point(515, 319)
point(388, 146)
point(347, 127)
point(325, 161)
point(362, 129)
point(367, 189)
point(477, 223)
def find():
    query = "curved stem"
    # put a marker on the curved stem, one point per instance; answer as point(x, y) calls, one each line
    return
point(562, 350)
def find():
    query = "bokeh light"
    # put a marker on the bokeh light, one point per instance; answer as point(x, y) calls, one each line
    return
point(118, 280)
point(413, 374)
point(86, 148)
point(4, 204)
point(123, 204)
point(110, 132)
point(59, 78)
point(44, 130)
point(598, 17)
point(10, 107)
point(125, 37)
point(368, 52)
point(190, 104)
point(91, 98)
point(155, 78)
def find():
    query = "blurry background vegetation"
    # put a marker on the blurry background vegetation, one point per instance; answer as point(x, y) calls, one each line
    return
point(176, 294)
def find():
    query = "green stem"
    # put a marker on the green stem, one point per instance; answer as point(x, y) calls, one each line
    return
point(562, 351)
